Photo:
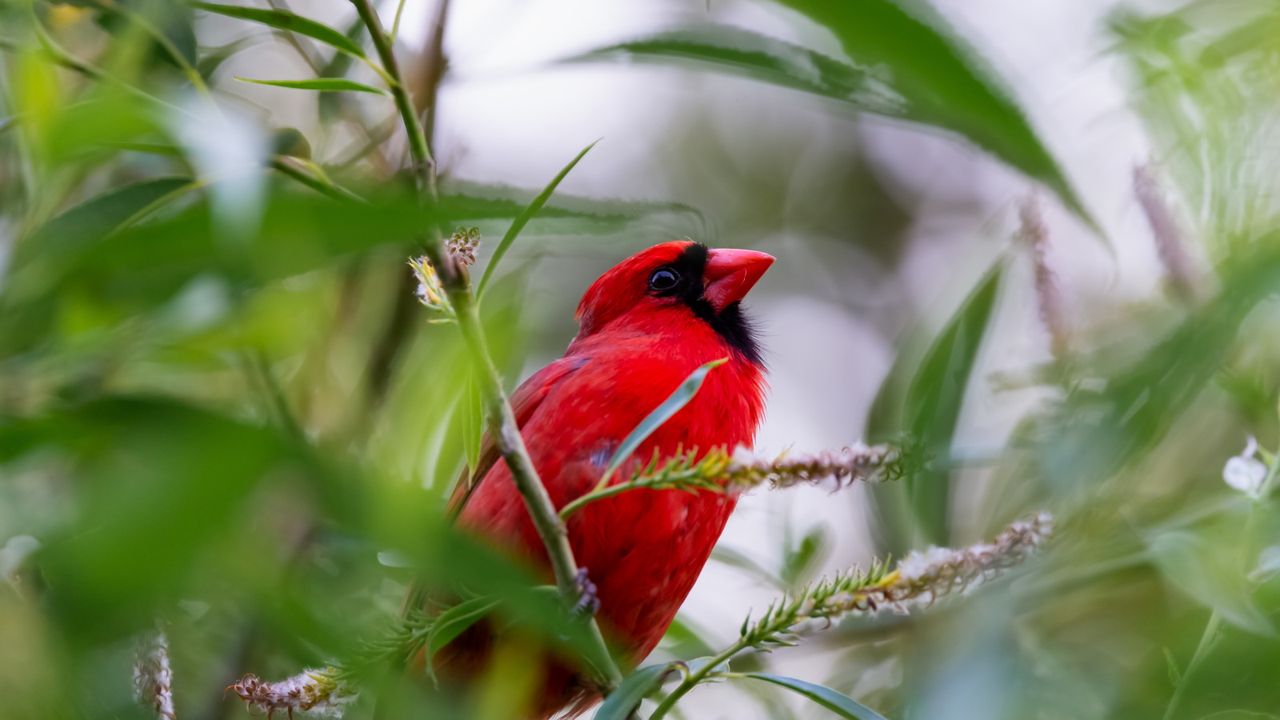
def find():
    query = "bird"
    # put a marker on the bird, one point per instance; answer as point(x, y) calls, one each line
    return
point(644, 326)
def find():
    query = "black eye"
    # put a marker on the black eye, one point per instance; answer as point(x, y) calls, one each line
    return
point(663, 279)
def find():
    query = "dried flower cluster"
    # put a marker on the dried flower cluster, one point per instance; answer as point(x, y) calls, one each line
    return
point(152, 676)
point(926, 576)
point(463, 244)
point(462, 247)
point(919, 580)
point(856, 463)
point(1035, 233)
point(319, 692)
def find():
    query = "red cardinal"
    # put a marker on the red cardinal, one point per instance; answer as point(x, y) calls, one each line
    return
point(644, 326)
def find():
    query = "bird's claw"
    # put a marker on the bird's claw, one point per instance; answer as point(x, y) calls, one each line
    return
point(588, 602)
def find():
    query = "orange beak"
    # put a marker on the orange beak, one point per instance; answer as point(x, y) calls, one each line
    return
point(730, 275)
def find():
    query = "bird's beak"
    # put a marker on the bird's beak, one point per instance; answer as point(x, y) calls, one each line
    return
point(730, 275)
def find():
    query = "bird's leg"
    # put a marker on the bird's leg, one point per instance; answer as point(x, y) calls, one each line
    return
point(588, 603)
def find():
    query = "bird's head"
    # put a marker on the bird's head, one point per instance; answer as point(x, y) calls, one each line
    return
point(678, 280)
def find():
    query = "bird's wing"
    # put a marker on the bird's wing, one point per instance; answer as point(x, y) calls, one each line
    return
point(524, 403)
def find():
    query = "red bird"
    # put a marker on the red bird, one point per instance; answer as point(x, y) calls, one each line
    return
point(644, 326)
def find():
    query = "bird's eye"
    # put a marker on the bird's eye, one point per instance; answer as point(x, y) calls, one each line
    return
point(663, 279)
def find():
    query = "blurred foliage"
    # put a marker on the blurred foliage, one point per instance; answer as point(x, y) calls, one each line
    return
point(210, 416)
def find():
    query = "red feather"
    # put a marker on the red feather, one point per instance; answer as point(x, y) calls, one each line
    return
point(645, 548)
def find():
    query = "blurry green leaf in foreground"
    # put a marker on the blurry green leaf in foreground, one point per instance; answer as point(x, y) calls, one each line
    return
point(838, 703)
point(83, 255)
point(626, 698)
point(1201, 571)
point(159, 480)
point(905, 64)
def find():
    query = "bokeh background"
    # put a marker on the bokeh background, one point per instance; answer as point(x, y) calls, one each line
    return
point(1102, 361)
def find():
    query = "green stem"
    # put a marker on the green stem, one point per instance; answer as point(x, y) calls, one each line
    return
point(692, 679)
point(395, 24)
point(578, 503)
point(1211, 629)
point(289, 167)
point(1207, 640)
point(423, 162)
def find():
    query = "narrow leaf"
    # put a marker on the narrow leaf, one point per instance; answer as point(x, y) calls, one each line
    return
point(944, 79)
point(523, 219)
point(838, 703)
point(319, 85)
point(287, 21)
point(900, 64)
point(626, 698)
point(664, 412)
point(935, 397)
point(759, 57)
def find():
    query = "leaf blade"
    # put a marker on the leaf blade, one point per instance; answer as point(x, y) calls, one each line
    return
point(945, 79)
point(289, 22)
point(660, 415)
point(839, 703)
point(626, 698)
point(525, 216)
point(924, 405)
point(318, 85)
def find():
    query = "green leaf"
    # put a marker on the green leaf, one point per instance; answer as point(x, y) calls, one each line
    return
point(319, 85)
point(905, 65)
point(836, 702)
point(283, 20)
point(453, 622)
point(759, 57)
point(928, 408)
point(524, 217)
point(936, 395)
point(1196, 568)
point(138, 533)
point(626, 698)
point(944, 80)
point(85, 259)
point(661, 414)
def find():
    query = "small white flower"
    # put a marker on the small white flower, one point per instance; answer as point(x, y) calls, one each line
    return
point(14, 554)
point(743, 456)
point(918, 564)
point(1245, 472)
